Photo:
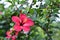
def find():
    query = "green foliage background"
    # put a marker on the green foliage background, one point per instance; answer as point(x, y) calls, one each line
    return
point(44, 17)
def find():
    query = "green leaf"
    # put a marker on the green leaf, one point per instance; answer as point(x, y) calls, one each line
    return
point(34, 1)
point(40, 32)
point(0, 16)
point(1, 7)
point(47, 2)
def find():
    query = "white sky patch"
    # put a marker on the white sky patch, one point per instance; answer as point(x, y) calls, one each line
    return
point(43, 2)
point(24, 6)
point(20, 0)
point(2, 1)
point(17, 5)
point(57, 19)
point(58, 11)
point(30, 2)
point(38, 4)
point(58, 15)
point(7, 4)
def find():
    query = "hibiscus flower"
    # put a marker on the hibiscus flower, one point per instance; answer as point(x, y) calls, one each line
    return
point(22, 23)
point(11, 34)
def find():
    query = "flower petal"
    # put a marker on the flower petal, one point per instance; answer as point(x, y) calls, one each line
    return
point(23, 17)
point(26, 29)
point(29, 22)
point(13, 37)
point(17, 28)
point(16, 33)
point(16, 20)
point(8, 37)
point(8, 33)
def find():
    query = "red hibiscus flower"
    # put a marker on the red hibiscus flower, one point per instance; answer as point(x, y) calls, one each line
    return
point(11, 34)
point(22, 23)
point(8, 33)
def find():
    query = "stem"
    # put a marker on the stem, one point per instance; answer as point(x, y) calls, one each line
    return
point(26, 37)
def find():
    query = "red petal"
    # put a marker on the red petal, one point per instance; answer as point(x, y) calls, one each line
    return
point(8, 33)
point(16, 20)
point(8, 37)
point(16, 33)
point(29, 22)
point(17, 28)
point(13, 37)
point(23, 17)
point(26, 29)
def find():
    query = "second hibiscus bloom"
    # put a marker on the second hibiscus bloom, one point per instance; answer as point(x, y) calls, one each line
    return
point(22, 23)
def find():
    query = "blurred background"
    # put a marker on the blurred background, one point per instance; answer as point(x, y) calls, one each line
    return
point(44, 13)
